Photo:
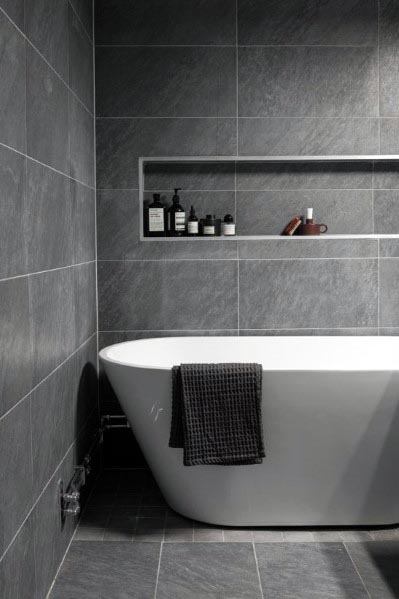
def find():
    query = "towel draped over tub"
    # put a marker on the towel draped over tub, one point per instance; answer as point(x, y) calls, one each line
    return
point(216, 413)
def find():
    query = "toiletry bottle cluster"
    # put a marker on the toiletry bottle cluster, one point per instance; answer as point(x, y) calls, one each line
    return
point(160, 221)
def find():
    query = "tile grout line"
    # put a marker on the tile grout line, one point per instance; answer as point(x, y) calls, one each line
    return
point(233, 259)
point(356, 570)
point(233, 116)
point(92, 41)
point(257, 570)
point(25, 155)
point(233, 45)
point(158, 570)
point(40, 272)
point(26, 38)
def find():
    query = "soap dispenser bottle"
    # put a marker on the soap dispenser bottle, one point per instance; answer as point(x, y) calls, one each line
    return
point(176, 217)
point(155, 222)
point(192, 224)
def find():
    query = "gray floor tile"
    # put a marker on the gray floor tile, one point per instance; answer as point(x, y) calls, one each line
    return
point(112, 570)
point(149, 530)
point(200, 571)
point(307, 571)
point(237, 535)
point(377, 564)
point(267, 536)
point(385, 534)
point(178, 529)
point(298, 536)
point(207, 534)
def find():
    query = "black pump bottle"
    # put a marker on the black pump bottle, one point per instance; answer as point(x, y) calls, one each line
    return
point(176, 217)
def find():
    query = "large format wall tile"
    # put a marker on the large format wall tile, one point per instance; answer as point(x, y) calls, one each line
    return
point(17, 568)
point(16, 470)
point(198, 22)
point(13, 215)
point(389, 285)
point(15, 10)
point(389, 81)
point(121, 141)
point(16, 359)
point(81, 138)
point(302, 248)
point(84, 222)
point(47, 28)
point(267, 212)
point(386, 211)
point(53, 326)
point(311, 293)
point(84, 301)
point(333, 22)
point(84, 387)
point(118, 229)
point(215, 176)
point(389, 23)
point(13, 76)
point(84, 10)
point(295, 176)
point(80, 61)
point(47, 114)
point(168, 295)
point(303, 81)
point(166, 81)
point(389, 135)
point(49, 214)
point(308, 136)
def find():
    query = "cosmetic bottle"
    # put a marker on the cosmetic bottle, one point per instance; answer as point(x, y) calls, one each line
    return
point(192, 224)
point(209, 225)
point(228, 225)
point(176, 217)
point(155, 222)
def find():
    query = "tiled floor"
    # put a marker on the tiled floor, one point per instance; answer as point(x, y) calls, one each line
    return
point(129, 544)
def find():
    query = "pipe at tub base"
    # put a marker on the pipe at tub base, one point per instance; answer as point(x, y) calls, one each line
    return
point(331, 429)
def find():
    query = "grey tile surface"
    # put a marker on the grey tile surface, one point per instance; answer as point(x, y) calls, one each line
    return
point(303, 81)
point(154, 22)
point(49, 217)
point(281, 249)
point(118, 228)
point(308, 22)
point(12, 213)
point(46, 24)
point(84, 10)
point(226, 571)
point(15, 11)
point(53, 313)
point(306, 570)
point(52, 422)
point(290, 136)
point(17, 568)
point(389, 81)
point(313, 293)
point(80, 60)
point(81, 138)
point(295, 176)
point(47, 114)
point(386, 211)
point(121, 141)
point(268, 212)
point(93, 569)
point(389, 248)
point(389, 282)
point(83, 202)
point(335, 332)
point(389, 136)
point(377, 565)
point(16, 469)
point(13, 75)
point(51, 533)
point(195, 176)
point(167, 81)
point(84, 301)
point(198, 295)
point(84, 384)
point(16, 356)
point(388, 23)
point(386, 175)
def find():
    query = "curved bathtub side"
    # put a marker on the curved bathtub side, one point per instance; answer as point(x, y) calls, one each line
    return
point(331, 442)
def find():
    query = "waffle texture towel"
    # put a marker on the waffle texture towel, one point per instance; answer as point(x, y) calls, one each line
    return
point(216, 413)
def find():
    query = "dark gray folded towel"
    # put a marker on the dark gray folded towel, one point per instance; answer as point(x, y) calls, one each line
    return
point(216, 413)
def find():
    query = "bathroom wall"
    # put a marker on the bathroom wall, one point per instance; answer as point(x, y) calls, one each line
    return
point(48, 380)
point(248, 77)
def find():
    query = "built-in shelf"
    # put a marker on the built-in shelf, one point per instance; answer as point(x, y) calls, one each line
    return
point(357, 158)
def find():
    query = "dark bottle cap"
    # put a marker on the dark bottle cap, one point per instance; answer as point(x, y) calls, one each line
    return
point(228, 219)
point(157, 197)
point(176, 198)
point(192, 214)
point(209, 219)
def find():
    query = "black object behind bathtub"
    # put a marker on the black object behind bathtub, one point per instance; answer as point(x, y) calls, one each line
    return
point(216, 413)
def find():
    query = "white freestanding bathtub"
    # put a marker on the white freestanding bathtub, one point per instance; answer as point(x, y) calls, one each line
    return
point(331, 425)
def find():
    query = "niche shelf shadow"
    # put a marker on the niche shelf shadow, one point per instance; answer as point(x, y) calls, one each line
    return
point(357, 158)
